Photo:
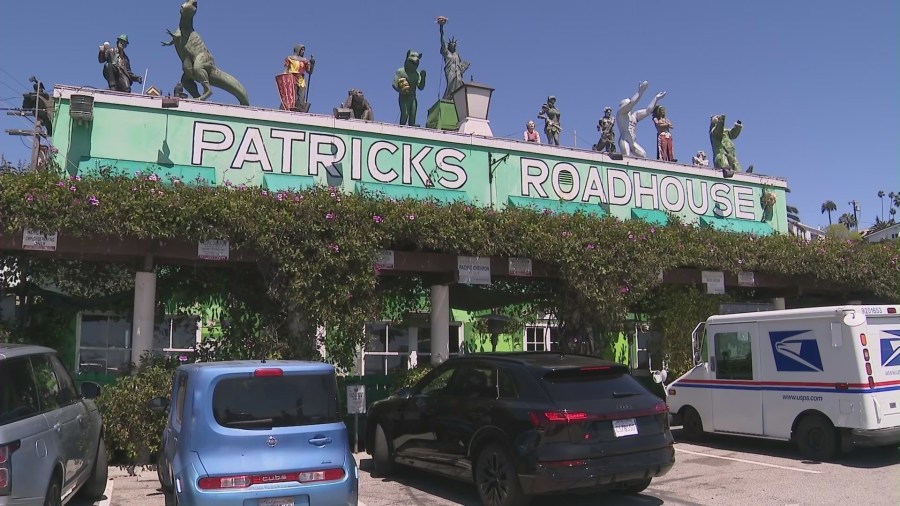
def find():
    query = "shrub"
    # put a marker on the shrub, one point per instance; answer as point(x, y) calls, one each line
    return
point(133, 432)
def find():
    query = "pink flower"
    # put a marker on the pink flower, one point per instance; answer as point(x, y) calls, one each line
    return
point(377, 219)
point(591, 246)
point(297, 198)
point(334, 247)
point(411, 217)
point(228, 182)
point(29, 197)
point(566, 233)
point(265, 193)
point(279, 197)
point(624, 289)
point(329, 216)
point(61, 184)
point(630, 236)
point(153, 177)
point(93, 200)
point(652, 230)
point(72, 188)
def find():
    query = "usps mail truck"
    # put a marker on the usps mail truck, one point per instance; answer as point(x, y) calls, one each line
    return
point(826, 378)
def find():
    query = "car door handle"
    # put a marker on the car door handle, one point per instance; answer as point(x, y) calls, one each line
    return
point(80, 419)
point(57, 427)
point(320, 441)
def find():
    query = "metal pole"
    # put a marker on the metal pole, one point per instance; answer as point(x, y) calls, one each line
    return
point(36, 138)
point(355, 431)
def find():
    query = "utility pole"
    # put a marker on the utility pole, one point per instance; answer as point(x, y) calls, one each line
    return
point(856, 210)
point(35, 133)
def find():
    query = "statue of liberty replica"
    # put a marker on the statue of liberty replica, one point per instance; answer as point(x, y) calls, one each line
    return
point(443, 114)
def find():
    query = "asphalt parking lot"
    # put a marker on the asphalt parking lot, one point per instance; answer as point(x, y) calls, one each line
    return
point(721, 470)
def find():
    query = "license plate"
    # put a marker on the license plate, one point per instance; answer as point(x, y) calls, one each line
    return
point(277, 501)
point(625, 427)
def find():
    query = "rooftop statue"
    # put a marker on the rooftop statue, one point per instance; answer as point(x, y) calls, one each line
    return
point(700, 159)
point(664, 149)
point(117, 66)
point(357, 103)
point(628, 120)
point(724, 156)
point(551, 115)
point(605, 126)
point(454, 65)
point(297, 66)
point(407, 80)
point(197, 62)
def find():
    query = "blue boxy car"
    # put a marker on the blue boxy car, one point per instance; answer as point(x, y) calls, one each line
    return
point(256, 433)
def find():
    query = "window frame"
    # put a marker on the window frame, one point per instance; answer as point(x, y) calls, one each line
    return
point(733, 366)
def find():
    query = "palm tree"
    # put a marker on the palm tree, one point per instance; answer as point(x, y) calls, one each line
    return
point(847, 220)
point(793, 214)
point(881, 196)
point(892, 211)
point(827, 207)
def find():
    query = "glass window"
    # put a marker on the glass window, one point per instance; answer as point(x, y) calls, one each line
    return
point(104, 346)
point(176, 333)
point(423, 336)
point(47, 385)
point(575, 384)
point(438, 382)
point(179, 397)
point(67, 392)
point(734, 358)
point(478, 381)
point(280, 401)
point(18, 397)
point(507, 384)
point(535, 339)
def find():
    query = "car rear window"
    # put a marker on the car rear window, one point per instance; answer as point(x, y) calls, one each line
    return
point(602, 383)
point(256, 403)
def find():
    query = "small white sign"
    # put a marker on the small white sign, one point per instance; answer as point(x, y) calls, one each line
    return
point(385, 259)
point(38, 241)
point(356, 399)
point(746, 279)
point(213, 249)
point(715, 281)
point(474, 270)
point(626, 427)
point(520, 267)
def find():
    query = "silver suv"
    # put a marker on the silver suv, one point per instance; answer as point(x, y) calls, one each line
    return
point(51, 436)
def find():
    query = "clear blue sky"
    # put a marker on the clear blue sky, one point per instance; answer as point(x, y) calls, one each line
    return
point(816, 84)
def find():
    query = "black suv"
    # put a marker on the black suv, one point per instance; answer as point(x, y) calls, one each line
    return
point(522, 424)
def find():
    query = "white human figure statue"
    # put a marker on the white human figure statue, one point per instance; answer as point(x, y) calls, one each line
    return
point(628, 120)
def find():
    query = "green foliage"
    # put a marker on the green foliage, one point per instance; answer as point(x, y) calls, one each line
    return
point(133, 432)
point(841, 232)
point(412, 376)
point(676, 311)
point(317, 247)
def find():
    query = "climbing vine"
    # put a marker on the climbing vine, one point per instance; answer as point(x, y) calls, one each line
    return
point(317, 247)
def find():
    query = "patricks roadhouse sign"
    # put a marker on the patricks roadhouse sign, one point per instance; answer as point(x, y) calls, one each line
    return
point(259, 146)
point(413, 163)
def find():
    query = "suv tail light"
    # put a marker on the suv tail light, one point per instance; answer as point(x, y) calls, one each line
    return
point(6, 452)
point(246, 480)
point(268, 372)
point(542, 420)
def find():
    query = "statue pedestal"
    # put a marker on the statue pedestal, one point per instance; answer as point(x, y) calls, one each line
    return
point(442, 115)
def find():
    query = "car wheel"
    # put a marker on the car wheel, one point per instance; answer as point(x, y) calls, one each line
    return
point(161, 473)
point(54, 493)
point(96, 483)
point(496, 478)
point(691, 424)
point(634, 487)
point(384, 460)
point(816, 438)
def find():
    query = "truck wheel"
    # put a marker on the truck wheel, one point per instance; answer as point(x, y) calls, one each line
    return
point(691, 424)
point(816, 438)
point(381, 454)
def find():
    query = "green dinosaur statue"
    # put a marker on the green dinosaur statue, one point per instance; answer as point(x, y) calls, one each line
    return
point(197, 62)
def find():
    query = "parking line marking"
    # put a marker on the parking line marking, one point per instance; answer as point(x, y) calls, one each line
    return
point(110, 484)
point(749, 461)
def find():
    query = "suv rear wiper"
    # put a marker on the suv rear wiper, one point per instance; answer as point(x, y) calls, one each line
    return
point(624, 394)
point(261, 423)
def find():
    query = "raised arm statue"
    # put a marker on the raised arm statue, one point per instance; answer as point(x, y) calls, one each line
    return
point(454, 65)
point(724, 156)
point(628, 119)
